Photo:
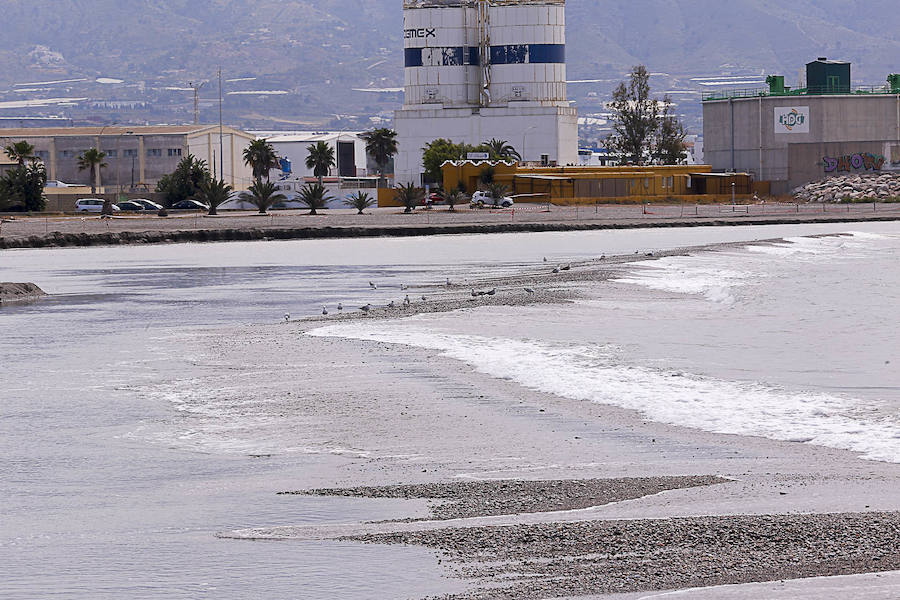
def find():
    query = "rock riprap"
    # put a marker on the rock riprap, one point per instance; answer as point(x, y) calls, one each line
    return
point(19, 292)
point(851, 188)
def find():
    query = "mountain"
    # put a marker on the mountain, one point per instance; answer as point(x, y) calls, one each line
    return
point(311, 55)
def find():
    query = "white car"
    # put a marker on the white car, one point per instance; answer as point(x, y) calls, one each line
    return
point(92, 205)
point(481, 198)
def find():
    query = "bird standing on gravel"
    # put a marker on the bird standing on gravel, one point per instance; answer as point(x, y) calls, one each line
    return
point(403, 286)
point(340, 306)
point(474, 294)
point(406, 300)
point(366, 308)
point(529, 291)
point(567, 267)
point(391, 304)
point(556, 269)
point(324, 311)
point(287, 317)
point(373, 286)
point(492, 292)
point(423, 298)
point(448, 282)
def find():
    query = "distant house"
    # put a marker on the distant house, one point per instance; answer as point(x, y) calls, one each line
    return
point(136, 156)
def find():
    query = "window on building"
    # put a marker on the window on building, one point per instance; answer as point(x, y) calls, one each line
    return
point(129, 153)
point(44, 155)
point(154, 152)
point(66, 154)
point(112, 154)
point(174, 151)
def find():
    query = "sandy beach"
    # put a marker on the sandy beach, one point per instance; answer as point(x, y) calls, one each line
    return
point(533, 495)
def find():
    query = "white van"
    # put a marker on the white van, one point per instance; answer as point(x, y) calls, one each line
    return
point(91, 205)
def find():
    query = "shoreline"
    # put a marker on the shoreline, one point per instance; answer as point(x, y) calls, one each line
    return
point(37, 232)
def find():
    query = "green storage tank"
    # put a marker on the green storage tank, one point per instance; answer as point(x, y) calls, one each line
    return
point(825, 76)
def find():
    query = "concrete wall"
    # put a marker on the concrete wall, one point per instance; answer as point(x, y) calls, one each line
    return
point(296, 149)
point(762, 148)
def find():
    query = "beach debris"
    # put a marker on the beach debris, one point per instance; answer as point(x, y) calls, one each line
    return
point(324, 311)
point(649, 254)
point(568, 267)
point(403, 286)
point(529, 291)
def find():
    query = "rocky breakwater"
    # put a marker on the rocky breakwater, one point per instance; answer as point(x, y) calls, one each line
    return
point(19, 292)
point(851, 188)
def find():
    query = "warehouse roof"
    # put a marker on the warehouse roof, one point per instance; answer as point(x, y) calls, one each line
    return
point(114, 130)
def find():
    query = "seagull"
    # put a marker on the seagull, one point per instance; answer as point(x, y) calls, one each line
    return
point(492, 292)
point(602, 257)
point(403, 286)
point(474, 293)
point(406, 300)
point(545, 259)
point(556, 269)
point(567, 267)
point(340, 306)
point(391, 305)
point(373, 286)
point(324, 311)
point(287, 317)
point(365, 308)
point(423, 298)
point(448, 282)
point(529, 291)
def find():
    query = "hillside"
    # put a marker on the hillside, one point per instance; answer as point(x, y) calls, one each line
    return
point(314, 53)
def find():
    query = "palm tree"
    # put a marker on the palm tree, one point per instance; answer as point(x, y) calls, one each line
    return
point(502, 150)
point(410, 196)
point(92, 160)
point(498, 191)
point(360, 201)
point(314, 196)
point(453, 198)
point(214, 193)
point(381, 145)
point(260, 156)
point(320, 159)
point(262, 195)
point(20, 152)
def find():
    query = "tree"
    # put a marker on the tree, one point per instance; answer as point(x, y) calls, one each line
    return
point(381, 145)
point(214, 193)
point(262, 195)
point(498, 191)
point(453, 198)
point(92, 160)
point(669, 148)
point(20, 152)
point(260, 156)
point(23, 188)
point(314, 196)
point(635, 118)
point(410, 196)
point(360, 201)
point(185, 181)
point(320, 159)
point(439, 151)
point(501, 150)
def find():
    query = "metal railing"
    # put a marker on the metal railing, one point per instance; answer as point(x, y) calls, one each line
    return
point(861, 90)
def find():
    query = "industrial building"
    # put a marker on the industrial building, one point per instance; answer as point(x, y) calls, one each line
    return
point(790, 137)
point(349, 150)
point(136, 156)
point(482, 69)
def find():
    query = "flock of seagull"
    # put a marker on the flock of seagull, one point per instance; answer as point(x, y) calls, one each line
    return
point(406, 302)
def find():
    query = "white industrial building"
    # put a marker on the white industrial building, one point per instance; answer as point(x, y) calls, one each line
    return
point(349, 150)
point(482, 69)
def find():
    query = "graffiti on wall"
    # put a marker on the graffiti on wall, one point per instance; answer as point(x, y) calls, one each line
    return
point(854, 162)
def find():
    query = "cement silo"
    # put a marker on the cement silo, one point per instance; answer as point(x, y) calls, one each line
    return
point(482, 69)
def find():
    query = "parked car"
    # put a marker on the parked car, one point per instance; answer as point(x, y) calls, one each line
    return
point(148, 204)
point(481, 199)
point(189, 205)
point(91, 205)
point(131, 205)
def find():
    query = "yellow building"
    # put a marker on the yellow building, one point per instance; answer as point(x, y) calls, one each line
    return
point(589, 185)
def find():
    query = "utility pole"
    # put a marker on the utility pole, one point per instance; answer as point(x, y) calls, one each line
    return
point(221, 142)
point(196, 87)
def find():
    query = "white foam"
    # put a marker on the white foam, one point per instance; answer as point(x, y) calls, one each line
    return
point(596, 374)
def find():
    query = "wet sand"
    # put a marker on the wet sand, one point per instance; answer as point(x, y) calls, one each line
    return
point(88, 230)
point(403, 416)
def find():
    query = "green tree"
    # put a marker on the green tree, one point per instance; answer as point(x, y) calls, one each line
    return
point(260, 156)
point(185, 181)
point(262, 195)
point(320, 159)
point(669, 148)
point(502, 150)
point(23, 188)
point(635, 118)
point(381, 145)
point(314, 196)
point(360, 201)
point(214, 193)
point(453, 198)
point(91, 160)
point(497, 191)
point(410, 196)
point(20, 152)
point(439, 151)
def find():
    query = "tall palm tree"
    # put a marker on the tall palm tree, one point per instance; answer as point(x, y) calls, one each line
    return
point(502, 150)
point(262, 195)
point(410, 196)
point(260, 156)
point(381, 145)
point(92, 160)
point(314, 196)
point(360, 201)
point(320, 159)
point(214, 193)
point(20, 152)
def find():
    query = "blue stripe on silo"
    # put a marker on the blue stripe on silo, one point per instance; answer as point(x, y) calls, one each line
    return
point(441, 57)
point(412, 57)
point(517, 54)
point(547, 53)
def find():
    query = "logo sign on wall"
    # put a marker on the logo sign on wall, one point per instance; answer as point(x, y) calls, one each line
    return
point(792, 119)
